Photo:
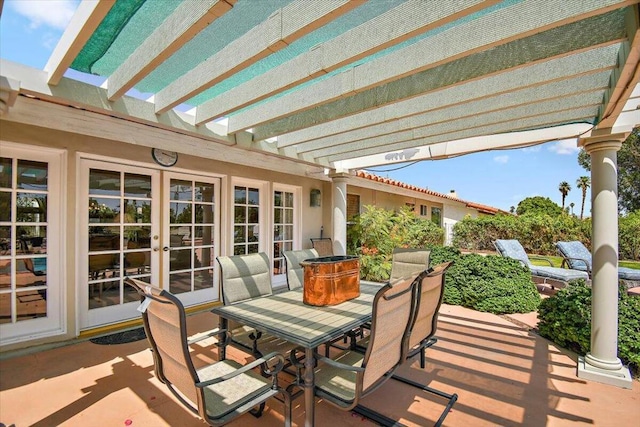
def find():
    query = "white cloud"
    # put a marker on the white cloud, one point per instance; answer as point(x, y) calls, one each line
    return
point(565, 146)
point(501, 159)
point(52, 13)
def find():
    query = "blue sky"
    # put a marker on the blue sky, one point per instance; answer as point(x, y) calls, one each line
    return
point(30, 29)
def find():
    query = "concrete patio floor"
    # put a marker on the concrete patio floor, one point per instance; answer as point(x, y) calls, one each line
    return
point(504, 374)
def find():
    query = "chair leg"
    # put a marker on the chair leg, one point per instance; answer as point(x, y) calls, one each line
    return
point(257, 412)
point(451, 397)
point(377, 417)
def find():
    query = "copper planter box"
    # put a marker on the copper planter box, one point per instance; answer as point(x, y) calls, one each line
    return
point(331, 280)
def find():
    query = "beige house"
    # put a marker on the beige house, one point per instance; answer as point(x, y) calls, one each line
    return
point(228, 127)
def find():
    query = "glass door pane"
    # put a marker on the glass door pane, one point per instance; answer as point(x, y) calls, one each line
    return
point(246, 221)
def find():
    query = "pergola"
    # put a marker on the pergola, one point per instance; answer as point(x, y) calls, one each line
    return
point(340, 85)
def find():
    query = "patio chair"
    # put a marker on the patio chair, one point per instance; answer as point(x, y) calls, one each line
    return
point(295, 272)
point(429, 293)
point(219, 392)
point(350, 376)
point(408, 262)
point(576, 256)
point(246, 277)
point(544, 277)
point(323, 245)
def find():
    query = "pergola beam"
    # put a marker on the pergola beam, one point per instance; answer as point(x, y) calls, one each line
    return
point(549, 120)
point(84, 22)
point(454, 148)
point(279, 30)
point(539, 73)
point(627, 76)
point(507, 24)
point(182, 25)
point(382, 32)
point(586, 88)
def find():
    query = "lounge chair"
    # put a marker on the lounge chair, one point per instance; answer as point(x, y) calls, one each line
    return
point(219, 392)
point(576, 256)
point(408, 262)
point(245, 277)
point(545, 278)
point(295, 272)
point(323, 245)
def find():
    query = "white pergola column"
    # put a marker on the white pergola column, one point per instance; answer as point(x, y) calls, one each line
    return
point(340, 213)
point(602, 363)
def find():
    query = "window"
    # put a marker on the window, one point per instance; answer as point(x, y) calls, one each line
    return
point(436, 216)
point(353, 205)
point(411, 206)
point(424, 210)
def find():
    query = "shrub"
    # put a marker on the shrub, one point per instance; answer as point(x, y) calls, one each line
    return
point(486, 283)
point(629, 232)
point(565, 319)
point(376, 232)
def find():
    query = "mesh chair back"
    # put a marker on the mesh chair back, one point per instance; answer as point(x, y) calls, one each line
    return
point(392, 312)
point(166, 329)
point(295, 272)
point(244, 277)
point(408, 262)
point(324, 246)
point(430, 291)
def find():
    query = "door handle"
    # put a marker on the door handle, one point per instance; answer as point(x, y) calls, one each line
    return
point(166, 248)
point(156, 249)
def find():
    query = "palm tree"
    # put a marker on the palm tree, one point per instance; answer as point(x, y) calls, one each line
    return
point(564, 189)
point(572, 205)
point(583, 183)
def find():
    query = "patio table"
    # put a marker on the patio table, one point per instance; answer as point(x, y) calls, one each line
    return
point(285, 316)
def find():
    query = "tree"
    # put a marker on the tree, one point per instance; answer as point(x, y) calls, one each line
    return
point(583, 183)
point(538, 205)
point(628, 171)
point(572, 205)
point(564, 189)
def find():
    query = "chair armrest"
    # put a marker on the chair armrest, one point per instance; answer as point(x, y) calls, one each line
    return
point(204, 335)
point(565, 261)
point(338, 365)
point(248, 367)
point(542, 259)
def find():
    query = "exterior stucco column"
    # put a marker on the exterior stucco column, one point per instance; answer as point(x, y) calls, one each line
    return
point(602, 363)
point(340, 213)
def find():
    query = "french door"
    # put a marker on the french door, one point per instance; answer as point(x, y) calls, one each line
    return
point(191, 236)
point(119, 215)
point(31, 249)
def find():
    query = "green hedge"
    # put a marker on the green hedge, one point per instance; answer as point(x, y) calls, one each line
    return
point(565, 319)
point(486, 283)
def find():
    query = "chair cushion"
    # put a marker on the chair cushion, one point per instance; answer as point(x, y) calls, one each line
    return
point(226, 396)
point(340, 383)
point(574, 252)
point(628, 273)
point(561, 274)
point(512, 249)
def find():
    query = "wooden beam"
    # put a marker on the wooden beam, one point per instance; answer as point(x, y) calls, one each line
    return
point(627, 76)
point(443, 150)
point(84, 22)
point(579, 115)
point(508, 24)
point(382, 32)
point(182, 25)
point(534, 74)
point(279, 30)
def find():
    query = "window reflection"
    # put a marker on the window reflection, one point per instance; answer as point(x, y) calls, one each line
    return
point(31, 304)
point(32, 175)
point(31, 207)
point(104, 183)
point(5, 172)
